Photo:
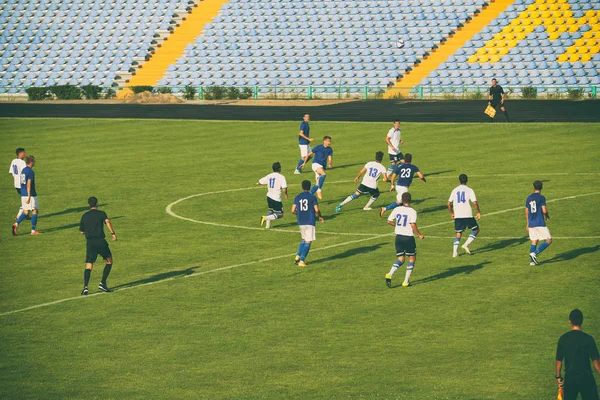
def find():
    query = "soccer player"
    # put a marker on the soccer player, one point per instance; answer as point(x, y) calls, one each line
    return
point(16, 166)
point(306, 208)
point(405, 173)
point(496, 98)
point(276, 185)
point(577, 349)
point(92, 226)
point(404, 219)
point(462, 214)
point(304, 140)
point(29, 200)
point(536, 214)
point(393, 141)
point(322, 160)
point(374, 170)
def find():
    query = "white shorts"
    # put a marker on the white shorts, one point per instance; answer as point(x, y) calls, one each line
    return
point(33, 203)
point(539, 233)
point(399, 191)
point(316, 167)
point(308, 233)
point(304, 150)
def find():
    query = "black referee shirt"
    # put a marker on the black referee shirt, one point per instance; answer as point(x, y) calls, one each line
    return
point(496, 92)
point(577, 348)
point(92, 224)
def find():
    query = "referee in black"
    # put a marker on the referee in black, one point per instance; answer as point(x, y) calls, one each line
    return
point(577, 349)
point(92, 226)
point(496, 98)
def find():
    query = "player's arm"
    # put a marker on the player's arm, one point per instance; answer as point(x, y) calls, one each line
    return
point(392, 180)
point(416, 230)
point(81, 230)
point(111, 229)
point(302, 135)
point(559, 378)
point(421, 177)
point(28, 191)
point(285, 192)
point(490, 96)
point(318, 212)
point(450, 210)
point(329, 162)
point(545, 212)
point(385, 177)
point(389, 143)
point(360, 173)
point(309, 155)
point(476, 205)
point(526, 218)
point(262, 181)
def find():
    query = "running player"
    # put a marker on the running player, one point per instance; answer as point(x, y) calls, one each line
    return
point(16, 166)
point(304, 140)
point(29, 200)
point(394, 141)
point(404, 219)
point(536, 213)
point(306, 207)
point(405, 173)
point(92, 226)
point(276, 184)
point(323, 154)
point(462, 214)
point(374, 170)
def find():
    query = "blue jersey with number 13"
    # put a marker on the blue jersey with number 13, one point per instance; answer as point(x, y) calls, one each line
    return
point(305, 208)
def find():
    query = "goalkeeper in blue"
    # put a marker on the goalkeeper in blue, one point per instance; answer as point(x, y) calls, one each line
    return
point(374, 170)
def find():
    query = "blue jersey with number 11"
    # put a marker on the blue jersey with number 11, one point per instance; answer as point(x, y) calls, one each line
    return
point(305, 208)
point(405, 174)
point(534, 204)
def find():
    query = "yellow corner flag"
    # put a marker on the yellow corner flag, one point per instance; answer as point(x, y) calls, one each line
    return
point(560, 394)
point(491, 112)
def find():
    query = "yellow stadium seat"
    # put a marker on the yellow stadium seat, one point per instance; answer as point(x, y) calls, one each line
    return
point(561, 1)
point(540, 3)
point(585, 57)
point(545, 15)
point(583, 50)
point(472, 59)
point(570, 21)
point(553, 36)
point(579, 42)
point(537, 21)
point(573, 28)
point(511, 43)
point(559, 21)
point(525, 21)
point(542, 7)
point(572, 50)
point(574, 58)
point(563, 58)
point(594, 50)
point(483, 59)
point(568, 14)
point(494, 59)
point(501, 43)
point(553, 7)
point(529, 29)
point(590, 13)
point(593, 21)
point(503, 51)
point(565, 7)
point(596, 28)
point(551, 28)
point(561, 28)
point(588, 34)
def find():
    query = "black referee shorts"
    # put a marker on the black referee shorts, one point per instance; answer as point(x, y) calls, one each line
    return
point(496, 105)
point(585, 385)
point(96, 247)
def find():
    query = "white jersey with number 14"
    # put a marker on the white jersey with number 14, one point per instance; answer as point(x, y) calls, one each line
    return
point(460, 198)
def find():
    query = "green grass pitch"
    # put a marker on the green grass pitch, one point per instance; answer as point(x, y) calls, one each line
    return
point(216, 312)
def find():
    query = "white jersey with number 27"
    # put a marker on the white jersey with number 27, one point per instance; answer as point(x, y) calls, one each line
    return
point(460, 198)
point(275, 184)
point(374, 172)
point(404, 217)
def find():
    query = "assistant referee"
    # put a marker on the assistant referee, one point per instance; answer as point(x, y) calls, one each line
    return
point(496, 98)
point(577, 349)
point(92, 226)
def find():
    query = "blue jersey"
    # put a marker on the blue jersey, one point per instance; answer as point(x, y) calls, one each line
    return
point(405, 174)
point(306, 129)
point(534, 204)
point(321, 154)
point(27, 174)
point(305, 208)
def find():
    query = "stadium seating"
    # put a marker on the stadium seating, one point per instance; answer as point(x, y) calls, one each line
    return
point(76, 42)
point(550, 44)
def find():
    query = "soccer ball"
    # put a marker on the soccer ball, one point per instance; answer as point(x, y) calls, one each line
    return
point(400, 43)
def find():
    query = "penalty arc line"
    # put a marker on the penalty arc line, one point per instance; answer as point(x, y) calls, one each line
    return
point(229, 267)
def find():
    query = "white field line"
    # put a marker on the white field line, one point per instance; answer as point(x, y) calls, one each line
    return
point(229, 267)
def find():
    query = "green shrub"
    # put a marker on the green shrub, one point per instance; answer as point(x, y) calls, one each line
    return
point(164, 90)
point(246, 93)
point(214, 93)
point(575, 94)
point(397, 95)
point(529, 92)
point(477, 95)
point(232, 93)
point(91, 92)
point(38, 93)
point(109, 93)
point(189, 93)
point(141, 89)
point(554, 96)
point(66, 92)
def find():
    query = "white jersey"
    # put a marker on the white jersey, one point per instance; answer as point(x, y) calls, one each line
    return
point(374, 172)
point(394, 136)
point(16, 166)
point(460, 198)
point(275, 184)
point(404, 217)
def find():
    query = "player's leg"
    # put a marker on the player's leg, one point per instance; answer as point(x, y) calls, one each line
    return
point(459, 227)
point(588, 388)
point(409, 268)
point(275, 212)
point(108, 259)
point(304, 150)
point(393, 160)
point(532, 249)
point(87, 273)
point(374, 196)
point(300, 249)
point(397, 264)
point(20, 208)
point(455, 244)
point(348, 199)
point(309, 236)
point(34, 219)
point(399, 191)
point(545, 244)
point(26, 208)
point(505, 113)
point(321, 175)
point(474, 232)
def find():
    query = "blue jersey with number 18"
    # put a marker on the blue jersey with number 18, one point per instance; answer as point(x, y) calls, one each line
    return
point(534, 204)
point(305, 208)
point(405, 173)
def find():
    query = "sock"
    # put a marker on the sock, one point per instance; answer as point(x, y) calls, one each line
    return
point(305, 251)
point(300, 248)
point(395, 267)
point(322, 180)
point(105, 273)
point(20, 212)
point(86, 276)
point(455, 245)
point(21, 218)
point(532, 248)
point(272, 217)
point(371, 201)
point(353, 196)
point(391, 206)
point(409, 270)
point(506, 115)
point(390, 170)
point(470, 239)
point(314, 189)
point(299, 166)
point(542, 247)
point(34, 218)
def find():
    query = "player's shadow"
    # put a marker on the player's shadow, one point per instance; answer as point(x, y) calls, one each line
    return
point(349, 253)
point(502, 244)
point(295, 224)
point(438, 173)
point(450, 272)
point(433, 209)
point(160, 277)
point(572, 254)
point(70, 226)
point(69, 211)
point(347, 165)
